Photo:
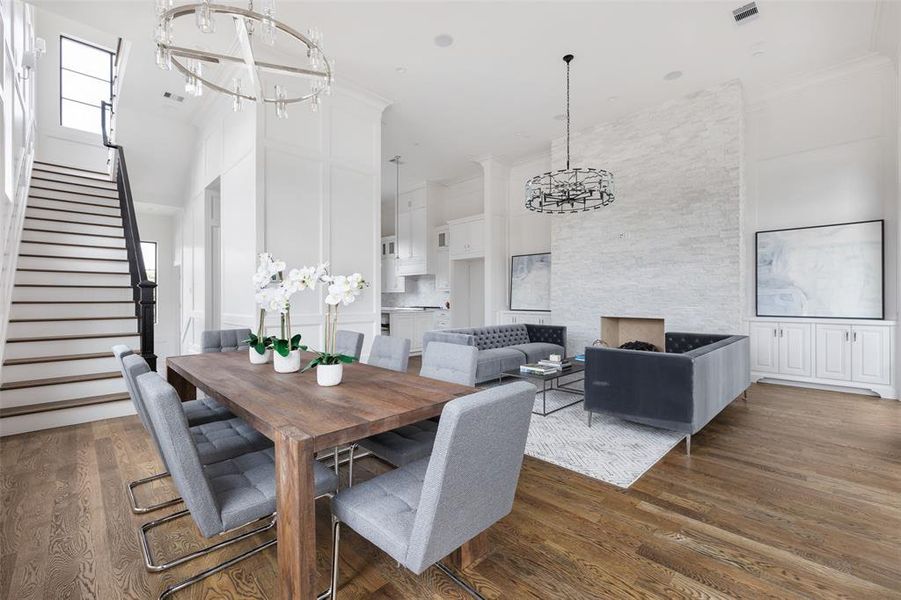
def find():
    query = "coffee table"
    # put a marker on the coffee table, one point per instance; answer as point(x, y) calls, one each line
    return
point(551, 381)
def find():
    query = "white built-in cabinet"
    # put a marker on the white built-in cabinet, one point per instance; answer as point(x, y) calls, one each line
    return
point(512, 317)
point(441, 257)
point(413, 232)
point(848, 353)
point(391, 282)
point(467, 238)
point(412, 325)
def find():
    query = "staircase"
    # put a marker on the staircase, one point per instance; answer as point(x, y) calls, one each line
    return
point(72, 300)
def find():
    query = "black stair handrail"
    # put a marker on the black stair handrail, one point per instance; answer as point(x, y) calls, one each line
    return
point(143, 290)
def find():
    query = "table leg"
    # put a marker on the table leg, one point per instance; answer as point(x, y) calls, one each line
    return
point(470, 552)
point(185, 389)
point(296, 510)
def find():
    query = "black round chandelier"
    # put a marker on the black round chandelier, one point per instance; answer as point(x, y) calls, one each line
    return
point(569, 190)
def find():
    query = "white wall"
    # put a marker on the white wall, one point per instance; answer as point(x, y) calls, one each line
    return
point(670, 245)
point(463, 198)
point(305, 189)
point(528, 232)
point(160, 228)
point(824, 151)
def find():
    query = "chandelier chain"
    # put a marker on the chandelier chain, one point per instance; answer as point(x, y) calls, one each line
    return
point(567, 115)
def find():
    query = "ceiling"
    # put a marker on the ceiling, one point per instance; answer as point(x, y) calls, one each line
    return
point(497, 88)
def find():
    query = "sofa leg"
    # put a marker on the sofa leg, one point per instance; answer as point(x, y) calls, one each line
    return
point(688, 445)
point(589, 418)
point(744, 395)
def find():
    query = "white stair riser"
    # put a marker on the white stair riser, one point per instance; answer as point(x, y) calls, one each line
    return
point(77, 179)
point(71, 311)
point(35, 193)
point(59, 347)
point(48, 328)
point(73, 251)
point(99, 173)
point(75, 216)
point(60, 225)
point(88, 206)
point(73, 188)
point(49, 294)
point(85, 279)
point(70, 238)
point(64, 417)
point(60, 368)
point(63, 391)
point(71, 264)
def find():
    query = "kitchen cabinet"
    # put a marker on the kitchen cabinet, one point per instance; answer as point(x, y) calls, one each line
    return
point(412, 325)
point(467, 238)
point(848, 353)
point(441, 257)
point(413, 233)
point(391, 282)
point(512, 317)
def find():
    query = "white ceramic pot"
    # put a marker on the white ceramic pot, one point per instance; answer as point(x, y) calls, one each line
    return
point(260, 359)
point(327, 375)
point(286, 364)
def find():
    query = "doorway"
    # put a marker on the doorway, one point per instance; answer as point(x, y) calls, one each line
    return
point(213, 257)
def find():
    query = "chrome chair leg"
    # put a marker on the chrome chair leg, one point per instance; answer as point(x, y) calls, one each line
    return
point(153, 567)
point(336, 540)
point(140, 510)
point(213, 570)
point(460, 581)
point(350, 466)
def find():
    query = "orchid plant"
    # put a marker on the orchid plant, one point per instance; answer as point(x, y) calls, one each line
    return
point(267, 270)
point(274, 298)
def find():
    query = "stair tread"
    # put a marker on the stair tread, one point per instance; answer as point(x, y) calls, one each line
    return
point(64, 338)
point(72, 285)
point(73, 246)
point(50, 164)
point(73, 302)
point(53, 189)
point(103, 235)
point(32, 197)
point(69, 319)
point(73, 257)
point(73, 271)
point(30, 383)
point(94, 187)
point(74, 212)
point(57, 358)
point(72, 222)
point(14, 411)
point(105, 178)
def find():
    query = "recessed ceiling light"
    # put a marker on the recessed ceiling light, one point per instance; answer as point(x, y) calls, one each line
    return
point(443, 40)
point(758, 49)
point(401, 69)
point(612, 98)
point(673, 75)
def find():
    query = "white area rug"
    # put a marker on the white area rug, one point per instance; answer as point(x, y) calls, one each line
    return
point(612, 450)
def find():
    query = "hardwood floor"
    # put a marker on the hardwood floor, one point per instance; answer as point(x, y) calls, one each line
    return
point(794, 494)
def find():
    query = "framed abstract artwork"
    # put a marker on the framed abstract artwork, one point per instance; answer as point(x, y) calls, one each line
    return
point(530, 282)
point(826, 271)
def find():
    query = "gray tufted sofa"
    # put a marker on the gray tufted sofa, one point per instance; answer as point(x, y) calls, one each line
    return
point(504, 347)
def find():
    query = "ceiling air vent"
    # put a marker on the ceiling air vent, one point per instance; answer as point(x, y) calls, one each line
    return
point(745, 12)
point(173, 97)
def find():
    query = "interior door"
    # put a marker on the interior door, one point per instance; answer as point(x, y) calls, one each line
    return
point(833, 354)
point(765, 347)
point(871, 349)
point(794, 349)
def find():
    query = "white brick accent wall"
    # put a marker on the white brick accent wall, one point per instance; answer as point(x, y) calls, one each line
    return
point(671, 244)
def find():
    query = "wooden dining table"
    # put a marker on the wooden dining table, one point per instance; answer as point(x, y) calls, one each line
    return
point(302, 418)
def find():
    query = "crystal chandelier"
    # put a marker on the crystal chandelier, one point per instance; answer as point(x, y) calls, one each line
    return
point(249, 25)
point(569, 190)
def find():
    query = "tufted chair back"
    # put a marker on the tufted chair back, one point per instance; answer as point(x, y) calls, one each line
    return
point(179, 451)
point(390, 353)
point(680, 342)
point(450, 362)
point(500, 336)
point(224, 340)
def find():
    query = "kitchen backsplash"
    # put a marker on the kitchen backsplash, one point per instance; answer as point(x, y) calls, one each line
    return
point(420, 291)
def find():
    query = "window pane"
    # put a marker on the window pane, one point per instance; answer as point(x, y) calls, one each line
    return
point(84, 89)
point(80, 116)
point(148, 250)
point(85, 59)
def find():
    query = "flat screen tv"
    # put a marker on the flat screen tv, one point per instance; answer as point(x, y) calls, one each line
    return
point(825, 271)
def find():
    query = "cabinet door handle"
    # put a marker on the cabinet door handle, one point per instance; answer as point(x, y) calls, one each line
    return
point(774, 332)
point(855, 336)
point(847, 336)
point(781, 331)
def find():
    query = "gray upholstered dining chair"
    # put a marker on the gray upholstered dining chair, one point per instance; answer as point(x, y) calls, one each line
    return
point(453, 363)
point(349, 343)
point(390, 353)
point(220, 497)
point(216, 440)
point(421, 512)
point(224, 340)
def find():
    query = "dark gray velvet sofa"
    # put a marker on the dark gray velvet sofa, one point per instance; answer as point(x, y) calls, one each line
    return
point(504, 347)
point(680, 390)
